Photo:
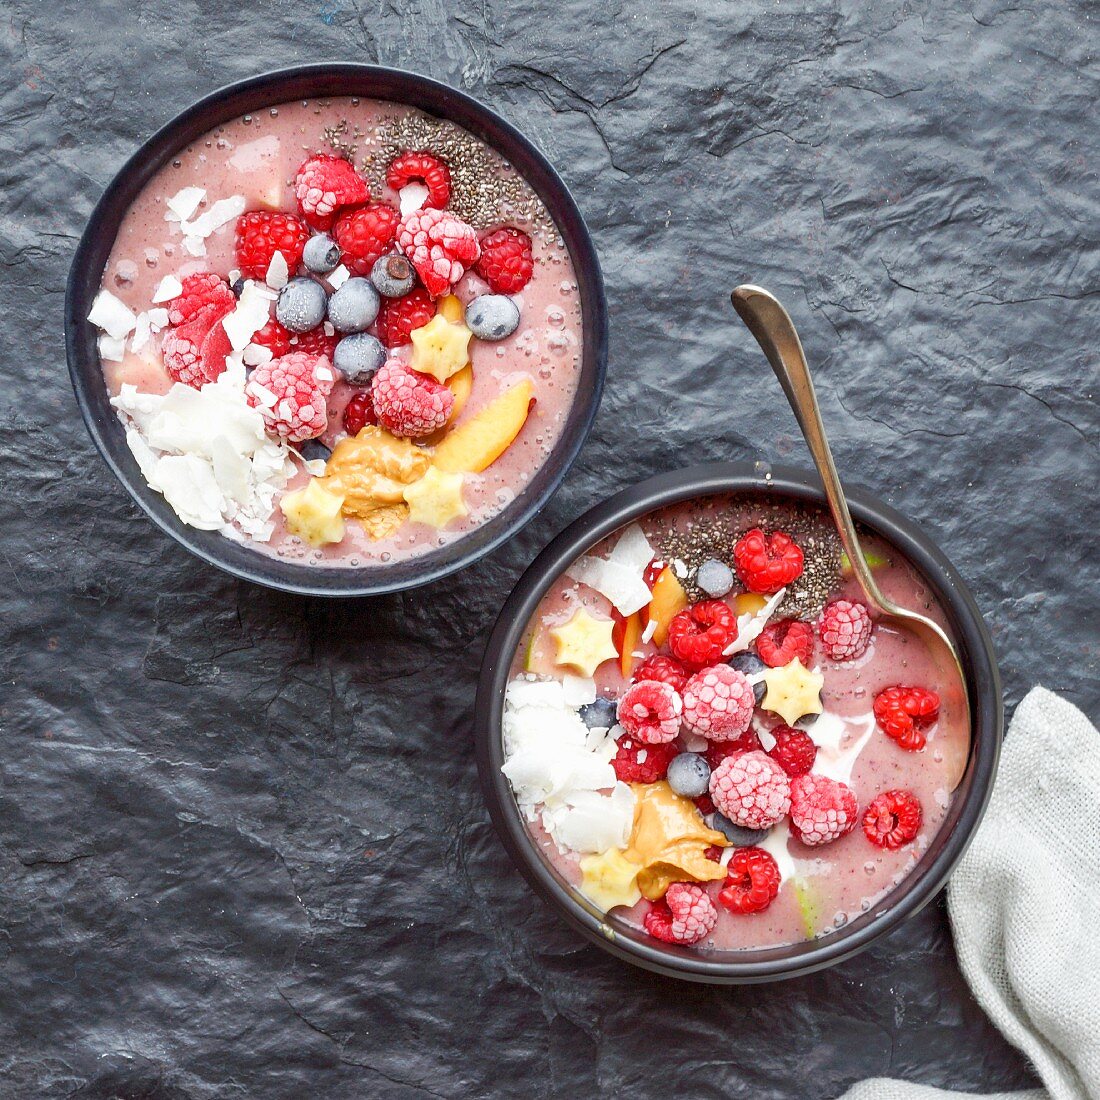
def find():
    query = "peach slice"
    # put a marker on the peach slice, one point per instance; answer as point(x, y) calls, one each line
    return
point(627, 636)
point(478, 443)
point(669, 599)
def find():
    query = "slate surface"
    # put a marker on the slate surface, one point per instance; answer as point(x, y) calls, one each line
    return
point(242, 847)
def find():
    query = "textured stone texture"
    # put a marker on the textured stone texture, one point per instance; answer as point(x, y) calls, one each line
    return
point(242, 846)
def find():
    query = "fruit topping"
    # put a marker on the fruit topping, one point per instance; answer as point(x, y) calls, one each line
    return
point(301, 304)
point(203, 288)
point(904, 713)
point(313, 513)
point(315, 342)
point(599, 714)
point(182, 347)
point(436, 499)
point(698, 635)
point(584, 642)
point(752, 882)
point(392, 276)
point(892, 819)
point(506, 263)
point(398, 317)
point(780, 642)
point(667, 601)
point(323, 184)
point(423, 168)
point(640, 761)
point(262, 233)
point(685, 915)
point(751, 665)
point(822, 809)
point(439, 245)
point(492, 317)
point(479, 441)
point(358, 356)
point(718, 703)
point(321, 254)
point(717, 751)
point(665, 669)
point(651, 711)
point(737, 835)
point(767, 563)
point(792, 691)
point(714, 577)
point(407, 403)
point(290, 393)
point(366, 234)
point(794, 750)
point(689, 774)
point(353, 305)
point(274, 337)
point(751, 789)
point(359, 412)
point(610, 879)
point(440, 348)
point(845, 628)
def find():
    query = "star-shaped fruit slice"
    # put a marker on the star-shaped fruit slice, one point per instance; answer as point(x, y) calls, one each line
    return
point(436, 498)
point(793, 691)
point(440, 348)
point(584, 642)
point(610, 879)
point(313, 513)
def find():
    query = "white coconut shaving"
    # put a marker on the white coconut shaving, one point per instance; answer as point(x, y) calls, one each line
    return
point(412, 197)
point(249, 315)
point(836, 752)
point(750, 627)
point(112, 315)
point(337, 277)
point(278, 273)
point(619, 576)
point(168, 288)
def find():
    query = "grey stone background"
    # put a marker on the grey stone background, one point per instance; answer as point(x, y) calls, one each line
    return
point(242, 848)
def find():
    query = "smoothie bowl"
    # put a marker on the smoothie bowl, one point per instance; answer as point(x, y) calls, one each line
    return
point(700, 746)
point(339, 329)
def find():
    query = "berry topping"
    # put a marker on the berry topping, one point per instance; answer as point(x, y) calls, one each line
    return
point(315, 342)
point(651, 711)
point(439, 245)
point(203, 288)
point(359, 412)
point(752, 881)
point(358, 356)
point(640, 762)
point(699, 635)
point(393, 276)
point(324, 184)
point(751, 789)
point(182, 347)
point(784, 640)
point(365, 235)
point(714, 577)
point(684, 915)
point(262, 233)
point(717, 751)
point(845, 629)
point(354, 305)
point(904, 713)
point(793, 750)
point(750, 664)
point(301, 304)
point(822, 810)
point(892, 819)
point(425, 169)
point(290, 393)
point(321, 254)
point(599, 714)
point(397, 317)
point(738, 836)
point(506, 262)
point(215, 347)
point(718, 703)
point(492, 317)
point(689, 775)
point(665, 669)
point(274, 337)
point(408, 403)
point(767, 563)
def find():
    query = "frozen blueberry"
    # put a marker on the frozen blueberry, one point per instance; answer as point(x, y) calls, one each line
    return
point(353, 305)
point(492, 317)
point(750, 665)
point(358, 356)
point(737, 836)
point(314, 449)
point(321, 254)
point(301, 305)
point(237, 286)
point(689, 775)
point(714, 577)
point(600, 714)
point(393, 276)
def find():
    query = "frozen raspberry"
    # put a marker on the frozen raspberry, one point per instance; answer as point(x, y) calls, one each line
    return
point(665, 669)
point(212, 352)
point(204, 288)
point(640, 762)
point(365, 235)
point(767, 563)
point(892, 819)
point(291, 393)
point(359, 412)
point(717, 751)
point(793, 750)
point(182, 347)
point(398, 317)
point(699, 635)
point(315, 342)
point(324, 184)
point(704, 804)
point(408, 403)
point(752, 881)
point(684, 915)
point(751, 789)
point(425, 169)
point(822, 810)
point(845, 629)
point(439, 245)
point(904, 713)
point(651, 711)
point(275, 338)
point(262, 233)
point(782, 641)
point(506, 263)
point(718, 703)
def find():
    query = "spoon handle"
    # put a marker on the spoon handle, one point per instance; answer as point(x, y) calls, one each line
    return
point(770, 323)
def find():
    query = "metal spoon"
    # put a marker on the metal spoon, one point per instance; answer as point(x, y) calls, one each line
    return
point(770, 323)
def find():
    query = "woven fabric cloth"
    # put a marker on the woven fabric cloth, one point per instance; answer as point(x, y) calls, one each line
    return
point(1025, 906)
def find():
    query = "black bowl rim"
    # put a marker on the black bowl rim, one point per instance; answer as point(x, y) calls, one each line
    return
point(972, 795)
point(81, 353)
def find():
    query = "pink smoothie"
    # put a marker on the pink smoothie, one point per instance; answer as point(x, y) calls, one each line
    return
point(823, 887)
point(257, 156)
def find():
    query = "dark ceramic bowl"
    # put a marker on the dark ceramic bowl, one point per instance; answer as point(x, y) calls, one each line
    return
point(915, 891)
point(312, 82)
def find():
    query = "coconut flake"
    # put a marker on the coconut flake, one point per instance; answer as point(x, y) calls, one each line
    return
point(256, 355)
point(750, 627)
point(184, 203)
point(633, 550)
point(625, 588)
point(168, 288)
point(112, 315)
point(194, 245)
point(337, 277)
point(278, 274)
point(249, 315)
point(412, 197)
point(578, 691)
point(111, 350)
point(221, 212)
